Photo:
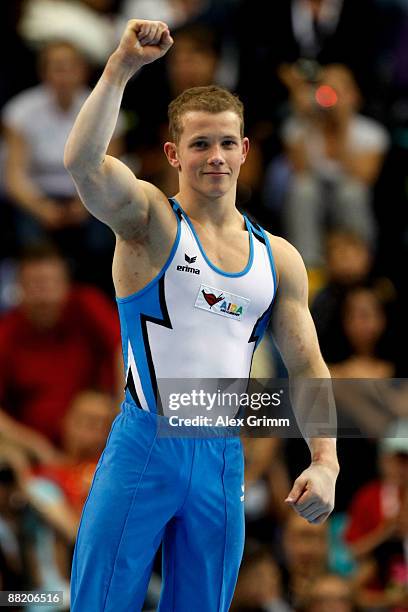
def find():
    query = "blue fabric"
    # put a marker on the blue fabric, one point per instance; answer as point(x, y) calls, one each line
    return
point(150, 488)
point(147, 306)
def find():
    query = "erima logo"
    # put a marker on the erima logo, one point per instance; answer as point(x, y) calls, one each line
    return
point(242, 498)
point(189, 260)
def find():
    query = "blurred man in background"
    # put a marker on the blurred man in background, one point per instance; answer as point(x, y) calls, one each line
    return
point(61, 339)
point(37, 123)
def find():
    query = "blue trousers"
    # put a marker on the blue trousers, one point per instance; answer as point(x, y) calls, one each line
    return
point(150, 489)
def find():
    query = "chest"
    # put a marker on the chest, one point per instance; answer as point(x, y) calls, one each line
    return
point(40, 359)
point(228, 253)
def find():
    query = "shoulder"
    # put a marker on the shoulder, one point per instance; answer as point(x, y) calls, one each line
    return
point(292, 129)
point(368, 493)
point(369, 133)
point(10, 325)
point(291, 271)
point(19, 109)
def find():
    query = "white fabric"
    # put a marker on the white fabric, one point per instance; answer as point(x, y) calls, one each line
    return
point(302, 21)
point(208, 345)
point(45, 127)
point(168, 11)
point(92, 33)
point(365, 135)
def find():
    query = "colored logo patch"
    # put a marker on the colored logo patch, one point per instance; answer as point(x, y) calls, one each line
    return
point(221, 302)
point(211, 299)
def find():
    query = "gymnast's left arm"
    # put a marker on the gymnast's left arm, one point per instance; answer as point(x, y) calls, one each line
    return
point(312, 494)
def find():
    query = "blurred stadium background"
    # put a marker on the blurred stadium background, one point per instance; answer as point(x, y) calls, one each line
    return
point(325, 87)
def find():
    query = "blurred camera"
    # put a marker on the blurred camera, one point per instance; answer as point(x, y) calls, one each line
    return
point(323, 97)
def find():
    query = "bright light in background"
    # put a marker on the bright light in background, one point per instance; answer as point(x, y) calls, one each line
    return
point(326, 96)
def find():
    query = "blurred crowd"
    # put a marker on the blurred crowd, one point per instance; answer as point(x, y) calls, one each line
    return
point(325, 87)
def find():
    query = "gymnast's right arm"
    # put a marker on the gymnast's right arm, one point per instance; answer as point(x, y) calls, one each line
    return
point(107, 187)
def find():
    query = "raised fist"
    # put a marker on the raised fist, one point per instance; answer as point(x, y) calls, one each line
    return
point(144, 42)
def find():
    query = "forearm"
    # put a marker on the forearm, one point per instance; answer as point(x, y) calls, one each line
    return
point(24, 193)
point(21, 435)
point(315, 411)
point(93, 129)
point(367, 543)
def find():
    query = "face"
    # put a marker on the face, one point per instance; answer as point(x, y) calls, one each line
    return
point(364, 320)
point(209, 154)
point(259, 583)
point(348, 261)
point(394, 468)
point(330, 594)
point(190, 66)
point(63, 69)
point(305, 544)
point(44, 286)
point(87, 424)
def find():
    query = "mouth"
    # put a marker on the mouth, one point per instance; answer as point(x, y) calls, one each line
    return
point(216, 173)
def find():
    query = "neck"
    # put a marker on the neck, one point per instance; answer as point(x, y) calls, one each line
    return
point(64, 100)
point(210, 211)
point(363, 351)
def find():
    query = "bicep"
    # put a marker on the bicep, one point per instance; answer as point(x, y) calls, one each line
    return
point(292, 324)
point(295, 334)
point(116, 197)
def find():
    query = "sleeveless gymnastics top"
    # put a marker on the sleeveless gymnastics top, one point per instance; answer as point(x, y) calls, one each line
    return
point(193, 320)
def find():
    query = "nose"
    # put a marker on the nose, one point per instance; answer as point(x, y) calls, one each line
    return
point(216, 158)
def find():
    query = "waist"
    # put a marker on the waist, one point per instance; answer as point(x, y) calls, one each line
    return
point(177, 426)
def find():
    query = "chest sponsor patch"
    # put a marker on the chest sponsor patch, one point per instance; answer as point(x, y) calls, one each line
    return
point(221, 302)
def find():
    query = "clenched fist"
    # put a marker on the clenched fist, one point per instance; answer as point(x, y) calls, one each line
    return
point(142, 42)
point(312, 495)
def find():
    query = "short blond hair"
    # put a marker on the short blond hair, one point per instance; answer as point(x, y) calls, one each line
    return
point(210, 99)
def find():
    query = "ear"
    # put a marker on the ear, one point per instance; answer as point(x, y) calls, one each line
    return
point(245, 149)
point(170, 150)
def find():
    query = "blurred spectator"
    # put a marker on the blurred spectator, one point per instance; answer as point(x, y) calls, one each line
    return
point(323, 31)
point(37, 123)
point(81, 22)
point(383, 577)
point(348, 263)
point(53, 494)
point(266, 486)
point(85, 428)
point(191, 62)
point(374, 508)
point(330, 593)
point(364, 325)
point(12, 561)
point(305, 548)
point(259, 587)
point(31, 516)
point(61, 339)
point(335, 154)
point(175, 13)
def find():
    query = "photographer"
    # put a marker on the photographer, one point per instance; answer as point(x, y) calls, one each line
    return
point(336, 155)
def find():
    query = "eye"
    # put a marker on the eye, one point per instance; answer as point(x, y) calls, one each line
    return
point(229, 143)
point(199, 144)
